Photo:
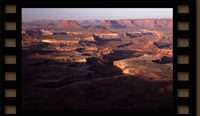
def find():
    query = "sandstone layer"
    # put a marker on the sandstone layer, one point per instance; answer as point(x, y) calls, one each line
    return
point(97, 64)
point(144, 66)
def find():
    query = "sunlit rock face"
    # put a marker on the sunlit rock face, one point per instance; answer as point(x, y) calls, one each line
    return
point(93, 61)
point(59, 59)
point(144, 66)
point(70, 25)
point(91, 38)
point(53, 41)
point(108, 35)
point(47, 33)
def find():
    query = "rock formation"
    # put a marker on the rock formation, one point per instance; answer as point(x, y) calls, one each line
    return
point(70, 25)
point(108, 35)
point(108, 24)
point(126, 23)
point(70, 59)
point(91, 22)
point(151, 46)
point(137, 23)
point(93, 63)
point(90, 38)
point(164, 23)
point(164, 42)
point(105, 51)
point(97, 30)
point(145, 67)
point(49, 22)
point(47, 33)
point(53, 41)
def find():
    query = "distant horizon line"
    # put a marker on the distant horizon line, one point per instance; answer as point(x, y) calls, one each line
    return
point(96, 19)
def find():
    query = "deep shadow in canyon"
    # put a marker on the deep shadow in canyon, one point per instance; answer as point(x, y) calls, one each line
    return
point(125, 92)
point(101, 41)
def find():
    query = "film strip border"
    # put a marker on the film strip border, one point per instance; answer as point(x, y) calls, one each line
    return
point(184, 58)
point(10, 57)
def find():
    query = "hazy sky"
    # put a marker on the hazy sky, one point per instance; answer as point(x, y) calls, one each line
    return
point(29, 14)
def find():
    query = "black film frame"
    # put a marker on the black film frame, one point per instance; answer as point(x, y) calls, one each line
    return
point(191, 51)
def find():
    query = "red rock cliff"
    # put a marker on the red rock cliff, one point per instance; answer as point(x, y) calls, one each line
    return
point(68, 25)
point(140, 23)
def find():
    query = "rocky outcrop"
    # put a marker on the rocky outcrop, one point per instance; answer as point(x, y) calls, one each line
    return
point(132, 35)
point(126, 23)
point(23, 32)
point(97, 30)
point(145, 67)
point(120, 65)
point(144, 23)
point(49, 21)
point(108, 24)
point(52, 22)
point(91, 22)
point(128, 65)
point(165, 51)
point(151, 46)
point(47, 33)
point(164, 42)
point(65, 48)
point(68, 25)
point(72, 23)
point(60, 59)
point(105, 51)
point(138, 23)
point(149, 23)
point(166, 59)
point(27, 41)
point(90, 48)
point(39, 21)
point(90, 38)
point(164, 23)
point(108, 35)
point(67, 42)
point(86, 49)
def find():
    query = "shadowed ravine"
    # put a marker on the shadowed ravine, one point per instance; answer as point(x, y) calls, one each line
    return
point(97, 64)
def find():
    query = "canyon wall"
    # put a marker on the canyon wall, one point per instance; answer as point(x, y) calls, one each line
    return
point(53, 41)
point(138, 23)
point(109, 35)
point(99, 25)
point(59, 59)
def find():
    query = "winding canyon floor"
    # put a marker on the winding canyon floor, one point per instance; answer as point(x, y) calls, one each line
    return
point(93, 85)
point(106, 65)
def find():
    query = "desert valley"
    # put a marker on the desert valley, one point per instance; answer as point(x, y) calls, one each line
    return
point(97, 64)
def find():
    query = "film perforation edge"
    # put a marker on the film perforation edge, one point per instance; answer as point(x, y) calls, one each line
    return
point(11, 17)
point(187, 51)
point(6, 101)
point(183, 101)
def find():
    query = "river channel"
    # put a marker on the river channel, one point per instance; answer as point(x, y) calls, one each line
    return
point(122, 46)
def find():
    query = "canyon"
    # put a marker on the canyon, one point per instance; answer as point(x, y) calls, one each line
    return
point(97, 64)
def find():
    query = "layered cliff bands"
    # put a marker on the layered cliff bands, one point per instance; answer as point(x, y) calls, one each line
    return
point(145, 23)
point(67, 25)
point(145, 66)
point(140, 23)
point(100, 25)
point(123, 22)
